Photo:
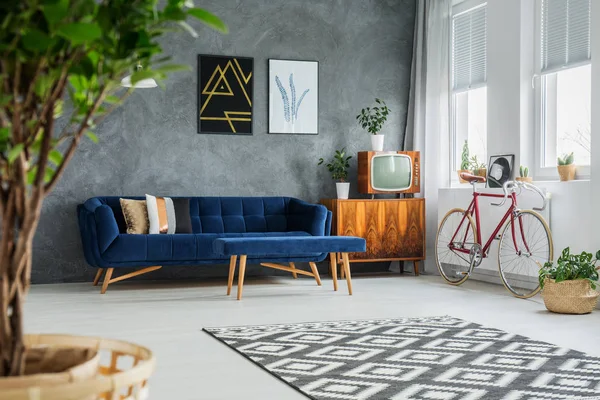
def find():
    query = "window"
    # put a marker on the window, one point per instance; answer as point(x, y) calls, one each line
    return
point(564, 105)
point(469, 73)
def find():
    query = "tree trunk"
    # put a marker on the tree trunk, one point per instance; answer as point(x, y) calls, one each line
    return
point(20, 216)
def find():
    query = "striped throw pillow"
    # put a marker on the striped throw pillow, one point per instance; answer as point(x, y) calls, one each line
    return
point(167, 215)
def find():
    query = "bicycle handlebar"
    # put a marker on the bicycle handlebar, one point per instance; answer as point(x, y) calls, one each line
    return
point(512, 185)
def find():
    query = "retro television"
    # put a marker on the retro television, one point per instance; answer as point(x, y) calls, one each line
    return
point(389, 172)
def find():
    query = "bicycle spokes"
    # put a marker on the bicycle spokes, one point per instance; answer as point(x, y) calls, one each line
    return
point(525, 245)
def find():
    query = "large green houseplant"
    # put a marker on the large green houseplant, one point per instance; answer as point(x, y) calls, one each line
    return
point(63, 55)
point(569, 284)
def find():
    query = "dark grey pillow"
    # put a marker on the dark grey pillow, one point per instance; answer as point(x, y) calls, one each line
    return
point(182, 215)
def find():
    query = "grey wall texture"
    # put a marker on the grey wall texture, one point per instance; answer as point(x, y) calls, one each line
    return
point(151, 144)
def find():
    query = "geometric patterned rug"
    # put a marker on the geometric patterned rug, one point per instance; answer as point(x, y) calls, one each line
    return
point(436, 358)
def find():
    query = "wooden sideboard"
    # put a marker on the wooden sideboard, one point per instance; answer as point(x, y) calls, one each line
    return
point(393, 228)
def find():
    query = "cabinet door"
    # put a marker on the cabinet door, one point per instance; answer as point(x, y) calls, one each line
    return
point(393, 229)
point(404, 229)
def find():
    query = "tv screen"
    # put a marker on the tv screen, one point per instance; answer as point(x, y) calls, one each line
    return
point(391, 172)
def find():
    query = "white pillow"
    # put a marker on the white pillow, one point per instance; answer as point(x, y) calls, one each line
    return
point(153, 223)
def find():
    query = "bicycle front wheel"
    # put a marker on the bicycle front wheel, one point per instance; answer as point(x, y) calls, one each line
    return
point(455, 237)
point(525, 245)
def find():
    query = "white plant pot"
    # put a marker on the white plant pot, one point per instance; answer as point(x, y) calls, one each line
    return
point(377, 142)
point(343, 188)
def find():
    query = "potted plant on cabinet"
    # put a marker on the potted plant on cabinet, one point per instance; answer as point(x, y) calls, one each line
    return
point(54, 53)
point(478, 168)
point(464, 163)
point(372, 119)
point(568, 286)
point(566, 168)
point(338, 167)
point(524, 175)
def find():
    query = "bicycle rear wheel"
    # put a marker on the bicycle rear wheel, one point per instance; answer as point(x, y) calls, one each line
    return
point(525, 245)
point(456, 232)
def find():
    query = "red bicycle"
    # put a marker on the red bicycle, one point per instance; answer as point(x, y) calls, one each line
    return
point(525, 242)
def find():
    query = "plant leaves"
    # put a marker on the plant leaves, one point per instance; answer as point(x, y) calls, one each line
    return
point(80, 32)
point(167, 68)
point(36, 40)
point(55, 11)
point(14, 152)
point(92, 136)
point(55, 157)
point(208, 19)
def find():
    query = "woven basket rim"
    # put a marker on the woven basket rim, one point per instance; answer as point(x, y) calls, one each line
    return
point(139, 372)
point(570, 281)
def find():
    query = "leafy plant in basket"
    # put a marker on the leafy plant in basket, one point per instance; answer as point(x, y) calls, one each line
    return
point(571, 267)
point(63, 55)
point(338, 166)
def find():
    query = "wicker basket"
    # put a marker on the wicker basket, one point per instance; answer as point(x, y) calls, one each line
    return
point(569, 297)
point(480, 172)
point(566, 172)
point(123, 372)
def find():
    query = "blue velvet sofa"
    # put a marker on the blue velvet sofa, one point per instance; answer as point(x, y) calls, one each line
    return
point(106, 245)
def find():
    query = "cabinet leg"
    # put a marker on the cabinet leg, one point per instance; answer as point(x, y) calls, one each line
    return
point(416, 268)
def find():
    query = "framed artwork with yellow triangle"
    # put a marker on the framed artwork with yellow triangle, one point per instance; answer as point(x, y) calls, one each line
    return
point(225, 94)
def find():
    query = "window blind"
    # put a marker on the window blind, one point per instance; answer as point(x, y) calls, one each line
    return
point(565, 33)
point(469, 48)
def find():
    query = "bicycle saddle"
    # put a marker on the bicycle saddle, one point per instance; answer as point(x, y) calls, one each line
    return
point(472, 178)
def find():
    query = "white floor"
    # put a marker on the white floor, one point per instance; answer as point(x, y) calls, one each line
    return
point(168, 318)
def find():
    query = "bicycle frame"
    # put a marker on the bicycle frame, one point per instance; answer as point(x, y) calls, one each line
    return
point(473, 210)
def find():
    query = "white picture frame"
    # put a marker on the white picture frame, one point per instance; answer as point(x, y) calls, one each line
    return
point(293, 97)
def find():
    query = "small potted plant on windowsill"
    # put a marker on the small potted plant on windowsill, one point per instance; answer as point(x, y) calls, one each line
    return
point(524, 175)
point(372, 119)
point(478, 168)
point(464, 162)
point(338, 166)
point(569, 285)
point(566, 168)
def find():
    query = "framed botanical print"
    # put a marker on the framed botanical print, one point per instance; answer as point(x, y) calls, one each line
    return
point(294, 97)
point(225, 94)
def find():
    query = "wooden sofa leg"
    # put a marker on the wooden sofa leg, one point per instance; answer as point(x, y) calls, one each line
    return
point(109, 271)
point(347, 270)
point(106, 280)
point(232, 263)
point(333, 267)
point(240, 287)
point(98, 276)
point(315, 272)
point(293, 266)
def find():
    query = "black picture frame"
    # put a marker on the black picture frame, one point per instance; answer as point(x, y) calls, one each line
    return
point(225, 108)
point(269, 98)
point(501, 164)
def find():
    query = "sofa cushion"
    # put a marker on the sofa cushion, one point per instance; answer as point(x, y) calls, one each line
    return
point(136, 216)
point(181, 247)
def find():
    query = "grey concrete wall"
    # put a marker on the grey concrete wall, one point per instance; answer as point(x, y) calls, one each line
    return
point(150, 144)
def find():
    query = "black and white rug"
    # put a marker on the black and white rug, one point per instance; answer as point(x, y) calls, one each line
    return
point(438, 358)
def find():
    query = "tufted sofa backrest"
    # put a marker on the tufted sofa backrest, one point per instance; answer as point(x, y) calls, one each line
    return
point(230, 214)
